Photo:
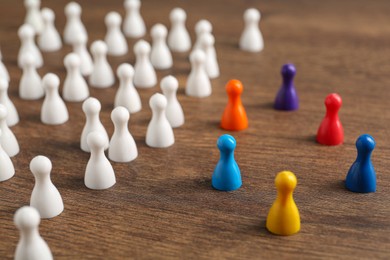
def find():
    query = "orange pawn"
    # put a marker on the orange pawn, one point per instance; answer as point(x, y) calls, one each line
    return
point(234, 117)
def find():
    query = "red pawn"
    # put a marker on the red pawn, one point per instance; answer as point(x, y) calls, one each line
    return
point(234, 117)
point(331, 131)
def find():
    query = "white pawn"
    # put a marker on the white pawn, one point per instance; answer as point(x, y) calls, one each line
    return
point(211, 64)
point(160, 56)
point(144, 73)
point(201, 27)
point(116, 42)
point(7, 139)
point(99, 173)
point(31, 245)
point(127, 96)
point(30, 85)
point(80, 47)
point(133, 26)
point(251, 39)
point(174, 111)
point(75, 88)
point(159, 133)
point(53, 111)
point(7, 169)
point(102, 75)
point(74, 26)
point(198, 82)
point(13, 116)
point(26, 35)
point(3, 69)
point(122, 145)
point(45, 197)
point(49, 39)
point(33, 16)
point(91, 108)
point(178, 39)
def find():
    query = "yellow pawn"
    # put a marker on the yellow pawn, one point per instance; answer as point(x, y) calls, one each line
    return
point(283, 217)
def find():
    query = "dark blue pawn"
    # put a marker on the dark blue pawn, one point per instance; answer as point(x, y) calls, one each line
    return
point(226, 174)
point(287, 98)
point(361, 176)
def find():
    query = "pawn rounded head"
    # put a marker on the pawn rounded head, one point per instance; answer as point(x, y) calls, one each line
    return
point(142, 47)
point(288, 70)
point(365, 142)
point(197, 57)
point(51, 81)
point(333, 101)
point(40, 165)
point(96, 140)
point(226, 143)
point(234, 87)
point(159, 31)
point(27, 217)
point(72, 9)
point(203, 26)
point(72, 60)
point(131, 4)
point(169, 83)
point(252, 15)
point(47, 14)
point(3, 84)
point(120, 115)
point(177, 15)
point(91, 106)
point(113, 19)
point(28, 60)
point(3, 112)
point(207, 40)
point(32, 3)
point(26, 31)
point(99, 47)
point(158, 102)
point(285, 181)
point(125, 70)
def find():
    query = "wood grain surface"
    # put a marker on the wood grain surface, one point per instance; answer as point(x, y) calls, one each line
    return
point(163, 206)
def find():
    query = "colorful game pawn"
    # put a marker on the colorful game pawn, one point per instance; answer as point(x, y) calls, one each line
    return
point(287, 98)
point(226, 176)
point(331, 131)
point(361, 176)
point(234, 117)
point(283, 217)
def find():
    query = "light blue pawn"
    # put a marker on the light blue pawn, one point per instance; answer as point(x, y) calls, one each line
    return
point(361, 176)
point(226, 176)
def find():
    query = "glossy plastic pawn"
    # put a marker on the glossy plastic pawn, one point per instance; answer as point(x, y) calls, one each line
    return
point(160, 56)
point(174, 111)
point(202, 27)
point(331, 131)
point(49, 40)
point(133, 25)
point(30, 85)
point(127, 96)
point(234, 117)
point(251, 38)
point(74, 26)
point(54, 110)
point(102, 75)
point(13, 116)
point(287, 97)
point(45, 197)
point(198, 82)
point(91, 108)
point(159, 133)
point(115, 40)
point(99, 174)
point(75, 87)
point(31, 245)
point(227, 175)
point(7, 170)
point(79, 46)
point(361, 176)
point(211, 64)
point(26, 35)
point(144, 73)
point(283, 217)
point(122, 145)
point(7, 139)
point(178, 38)
point(33, 16)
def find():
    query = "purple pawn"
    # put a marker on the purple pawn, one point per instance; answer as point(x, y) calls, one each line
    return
point(287, 98)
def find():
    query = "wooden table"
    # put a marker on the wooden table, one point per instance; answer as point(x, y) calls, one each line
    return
point(163, 205)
